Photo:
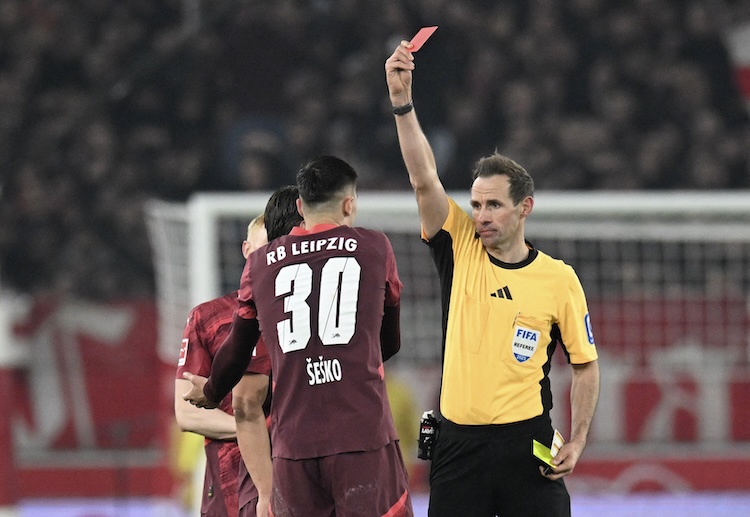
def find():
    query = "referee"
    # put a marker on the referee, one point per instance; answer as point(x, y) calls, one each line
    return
point(506, 308)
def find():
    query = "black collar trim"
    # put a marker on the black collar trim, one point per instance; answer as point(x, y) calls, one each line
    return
point(517, 265)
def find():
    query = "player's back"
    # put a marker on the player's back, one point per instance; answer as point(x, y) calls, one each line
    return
point(320, 300)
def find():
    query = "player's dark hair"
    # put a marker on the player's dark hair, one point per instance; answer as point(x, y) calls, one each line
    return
point(521, 185)
point(281, 212)
point(322, 178)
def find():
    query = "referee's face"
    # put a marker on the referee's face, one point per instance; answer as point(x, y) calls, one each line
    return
point(496, 218)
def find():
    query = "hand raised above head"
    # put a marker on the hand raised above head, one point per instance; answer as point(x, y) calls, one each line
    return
point(398, 74)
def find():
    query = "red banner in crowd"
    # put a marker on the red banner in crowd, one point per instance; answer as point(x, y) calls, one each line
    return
point(94, 402)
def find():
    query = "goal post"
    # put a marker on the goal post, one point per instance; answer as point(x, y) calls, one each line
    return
point(663, 252)
point(392, 211)
point(196, 245)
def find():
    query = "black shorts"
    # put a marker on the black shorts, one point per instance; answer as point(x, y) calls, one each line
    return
point(489, 470)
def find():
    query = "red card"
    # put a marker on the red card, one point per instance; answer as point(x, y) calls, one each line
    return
point(419, 38)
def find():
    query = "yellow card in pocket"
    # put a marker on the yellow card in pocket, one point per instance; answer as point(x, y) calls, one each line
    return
point(544, 453)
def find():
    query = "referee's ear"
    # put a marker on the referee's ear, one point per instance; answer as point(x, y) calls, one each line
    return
point(527, 205)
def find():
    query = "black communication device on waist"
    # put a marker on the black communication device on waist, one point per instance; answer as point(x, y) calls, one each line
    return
point(429, 426)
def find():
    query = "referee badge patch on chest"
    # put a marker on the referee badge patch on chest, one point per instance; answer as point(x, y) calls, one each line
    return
point(525, 342)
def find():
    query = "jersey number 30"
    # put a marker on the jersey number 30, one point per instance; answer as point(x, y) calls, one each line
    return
point(337, 305)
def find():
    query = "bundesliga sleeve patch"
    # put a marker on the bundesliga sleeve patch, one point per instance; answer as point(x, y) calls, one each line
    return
point(525, 343)
point(183, 353)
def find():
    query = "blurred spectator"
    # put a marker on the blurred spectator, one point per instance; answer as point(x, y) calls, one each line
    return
point(105, 104)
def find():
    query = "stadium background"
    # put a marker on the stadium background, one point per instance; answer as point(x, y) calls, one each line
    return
point(106, 105)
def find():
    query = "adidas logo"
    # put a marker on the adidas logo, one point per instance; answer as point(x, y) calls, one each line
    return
point(503, 292)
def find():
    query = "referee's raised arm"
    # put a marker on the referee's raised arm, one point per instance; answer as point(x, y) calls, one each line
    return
point(432, 199)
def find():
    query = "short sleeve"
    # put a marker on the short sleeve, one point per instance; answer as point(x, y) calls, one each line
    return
point(194, 357)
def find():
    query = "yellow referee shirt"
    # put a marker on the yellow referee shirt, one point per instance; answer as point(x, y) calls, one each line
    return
point(501, 322)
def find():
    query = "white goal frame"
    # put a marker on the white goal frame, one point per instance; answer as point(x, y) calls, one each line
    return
point(677, 216)
point(398, 211)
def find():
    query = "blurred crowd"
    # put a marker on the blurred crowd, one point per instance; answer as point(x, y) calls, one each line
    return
point(106, 104)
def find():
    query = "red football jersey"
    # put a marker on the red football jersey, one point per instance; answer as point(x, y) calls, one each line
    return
point(226, 476)
point(206, 329)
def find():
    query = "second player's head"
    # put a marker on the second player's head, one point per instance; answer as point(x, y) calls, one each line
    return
point(256, 236)
point(281, 212)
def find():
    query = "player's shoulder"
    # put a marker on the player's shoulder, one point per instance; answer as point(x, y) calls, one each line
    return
point(376, 240)
point(367, 232)
point(219, 305)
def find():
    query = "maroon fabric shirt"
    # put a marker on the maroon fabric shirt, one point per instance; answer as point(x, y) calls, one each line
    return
point(206, 329)
point(319, 296)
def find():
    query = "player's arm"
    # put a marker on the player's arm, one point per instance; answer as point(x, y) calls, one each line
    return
point(584, 395)
point(390, 332)
point(232, 358)
point(252, 433)
point(419, 159)
point(229, 364)
point(213, 423)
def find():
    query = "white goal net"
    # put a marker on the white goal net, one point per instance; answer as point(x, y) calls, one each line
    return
point(659, 269)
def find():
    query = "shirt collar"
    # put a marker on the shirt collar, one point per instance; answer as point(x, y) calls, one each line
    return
point(315, 229)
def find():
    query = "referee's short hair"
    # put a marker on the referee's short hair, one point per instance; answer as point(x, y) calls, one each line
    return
point(520, 181)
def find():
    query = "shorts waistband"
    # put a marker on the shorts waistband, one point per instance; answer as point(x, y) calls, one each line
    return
point(530, 426)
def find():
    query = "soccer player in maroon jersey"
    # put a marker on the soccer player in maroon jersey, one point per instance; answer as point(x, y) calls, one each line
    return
point(327, 301)
point(228, 489)
point(207, 326)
